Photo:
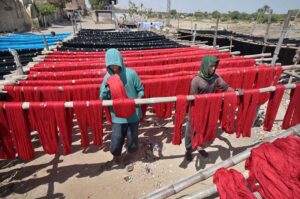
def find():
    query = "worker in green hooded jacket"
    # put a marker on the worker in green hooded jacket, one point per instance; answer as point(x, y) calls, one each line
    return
point(207, 81)
point(122, 127)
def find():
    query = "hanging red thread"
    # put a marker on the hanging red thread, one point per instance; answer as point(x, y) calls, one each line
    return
point(181, 108)
point(204, 115)
point(273, 105)
point(89, 114)
point(246, 112)
point(228, 111)
point(292, 115)
point(7, 150)
point(19, 126)
point(42, 119)
point(64, 122)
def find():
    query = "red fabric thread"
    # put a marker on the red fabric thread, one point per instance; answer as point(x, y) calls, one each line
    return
point(7, 150)
point(64, 122)
point(228, 111)
point(122, 105)
point(231, 184)
point(42, 119)
point(181, 108)
point(273, 105)
point(89, 116)
point(19, 126)
point(246, 112)
point(204, 115)
point(275, 166)
point(292, 115)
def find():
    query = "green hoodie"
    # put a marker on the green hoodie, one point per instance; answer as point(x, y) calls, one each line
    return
point(206, 62)
point(132, 83)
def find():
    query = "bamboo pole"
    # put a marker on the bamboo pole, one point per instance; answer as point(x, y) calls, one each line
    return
point(225, 47)
point(282, 36)
point(242, 40)
point(263, 59)
point(216, 32)
point(16, 77)
point(266, 37)
point(258, 55)
point(206, 173)
point(292, 74)
point(156, 100)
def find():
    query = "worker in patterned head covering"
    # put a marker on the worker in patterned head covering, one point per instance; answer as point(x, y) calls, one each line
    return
point(207, 81)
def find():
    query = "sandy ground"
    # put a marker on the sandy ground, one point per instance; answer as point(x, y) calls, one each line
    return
point(88, 173)
point(241, 27)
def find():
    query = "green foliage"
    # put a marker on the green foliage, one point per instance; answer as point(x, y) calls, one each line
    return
point(173, 12)
point(215, 14)
point(199, 15)
point(277, 18)
point(46, 9)
point(133, 9)
point(98, 4)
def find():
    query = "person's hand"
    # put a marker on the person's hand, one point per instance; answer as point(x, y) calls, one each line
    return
point(240, 91)
point(107, 87)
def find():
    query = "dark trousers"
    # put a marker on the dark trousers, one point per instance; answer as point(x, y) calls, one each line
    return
point(119, 132)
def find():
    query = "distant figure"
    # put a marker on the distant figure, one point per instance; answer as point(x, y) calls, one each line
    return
point(151, 26)
point(53, 34)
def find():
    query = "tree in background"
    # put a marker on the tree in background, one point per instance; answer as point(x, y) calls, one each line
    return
point(98, 4)
point(215, 14)
point(173, 12)
point(45, 9)
point(133, 9)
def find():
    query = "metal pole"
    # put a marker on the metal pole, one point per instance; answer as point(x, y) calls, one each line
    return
point(15, 54)
point(194, 34)
point(178, 22)
point(282, 36)
point(255, 22)
point(266, 37)
point(296, 60)
point(231, 37)
point(168, 12)
point(45, 42)
point(206, 173)
point(216, 32)
point(72, 23)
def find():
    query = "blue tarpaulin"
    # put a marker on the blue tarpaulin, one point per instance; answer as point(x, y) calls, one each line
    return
point(29, 41)
point(148, 25)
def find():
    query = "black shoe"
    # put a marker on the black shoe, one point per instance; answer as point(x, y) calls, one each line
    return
point(203, 153)
point(188, 156)
point(117, 160)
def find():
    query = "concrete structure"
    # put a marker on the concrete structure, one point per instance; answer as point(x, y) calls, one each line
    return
point(15, 15)
point(22, 15)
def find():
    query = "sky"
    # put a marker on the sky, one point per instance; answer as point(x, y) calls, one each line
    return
point(223, 6)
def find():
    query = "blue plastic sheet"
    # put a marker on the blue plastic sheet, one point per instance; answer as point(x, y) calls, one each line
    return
point(29, 41)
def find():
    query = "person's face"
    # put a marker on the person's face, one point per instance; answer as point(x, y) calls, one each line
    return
point(115, 69)
point(212, 69)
